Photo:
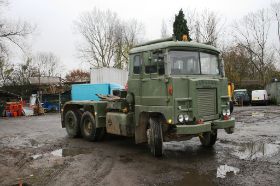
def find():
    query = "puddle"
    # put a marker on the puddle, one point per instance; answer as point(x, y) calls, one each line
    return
point(64, 153)
point(70, 152)
point(251, 151)
point(188, 145)
point(224, 169)
point(257, 114)
point(57, 152)
point(36, 156)
point(174, 146)
point(195, 179)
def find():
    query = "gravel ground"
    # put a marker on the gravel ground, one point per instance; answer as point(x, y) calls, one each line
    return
point(36, 151)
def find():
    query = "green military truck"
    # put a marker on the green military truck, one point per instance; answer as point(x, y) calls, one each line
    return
point(176, 90)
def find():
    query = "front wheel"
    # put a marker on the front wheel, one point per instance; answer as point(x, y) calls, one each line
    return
point(231, 106)
point(88, 128)
point(155, 138)
point(208, 139)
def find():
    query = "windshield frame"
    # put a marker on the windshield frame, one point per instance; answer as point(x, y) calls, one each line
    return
point(169, 65)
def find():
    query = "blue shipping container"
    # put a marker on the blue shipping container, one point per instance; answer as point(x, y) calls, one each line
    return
point(82, 92)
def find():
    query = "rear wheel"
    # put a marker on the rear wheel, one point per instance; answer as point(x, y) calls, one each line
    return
point(208, 139)
point(155, 138)
point(72, 123)
point(88, 128)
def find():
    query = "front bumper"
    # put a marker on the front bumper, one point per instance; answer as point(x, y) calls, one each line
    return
point(223, 124)
point(206, 127)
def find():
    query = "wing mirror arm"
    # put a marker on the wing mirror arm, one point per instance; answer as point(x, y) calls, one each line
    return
point(222, 67)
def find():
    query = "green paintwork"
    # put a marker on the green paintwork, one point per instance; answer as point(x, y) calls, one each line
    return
point(169, 44)
point(201, 97)
point(151, 95)
point(222, 124)
point(193, 129)
point(120, 123)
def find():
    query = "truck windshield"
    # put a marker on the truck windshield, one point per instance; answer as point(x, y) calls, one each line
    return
point(189, 63)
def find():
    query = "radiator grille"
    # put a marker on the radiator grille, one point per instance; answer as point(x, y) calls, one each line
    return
point(206, 102)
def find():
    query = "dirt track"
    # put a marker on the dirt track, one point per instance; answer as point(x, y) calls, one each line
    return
point(37, 151)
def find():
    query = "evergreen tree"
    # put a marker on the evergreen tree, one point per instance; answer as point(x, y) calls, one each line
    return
point(180, 27)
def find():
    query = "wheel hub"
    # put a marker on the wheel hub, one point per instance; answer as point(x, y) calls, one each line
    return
point(88, 127)
point(71, 122)
point(149, 136)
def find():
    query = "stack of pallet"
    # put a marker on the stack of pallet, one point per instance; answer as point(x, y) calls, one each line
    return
point(13, 109)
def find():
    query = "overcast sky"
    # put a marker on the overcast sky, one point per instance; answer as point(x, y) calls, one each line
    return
point(54, 18)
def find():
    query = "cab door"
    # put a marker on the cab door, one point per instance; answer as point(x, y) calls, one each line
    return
point(153, 86)
point(135, 76)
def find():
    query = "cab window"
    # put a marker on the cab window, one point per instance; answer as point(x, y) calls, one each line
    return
point(184, 62)
point(209, 64)
point(157, 64)
point(150, 69)
point(137, 64)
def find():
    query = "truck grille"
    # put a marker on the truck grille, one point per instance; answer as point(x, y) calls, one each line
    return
point(206, 102)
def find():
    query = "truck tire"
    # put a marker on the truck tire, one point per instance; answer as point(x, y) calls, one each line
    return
point(208, 139)
point(72, 123)
point(231, 106)
point(155, 138)
point(88, 128)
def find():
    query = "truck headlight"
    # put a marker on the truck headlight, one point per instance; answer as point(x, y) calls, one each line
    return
point(186, 117)
point(226, 112)
point(180, 118)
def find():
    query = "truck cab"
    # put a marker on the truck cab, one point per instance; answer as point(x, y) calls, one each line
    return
point(176, 90)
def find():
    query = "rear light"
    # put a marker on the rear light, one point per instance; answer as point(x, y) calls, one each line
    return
point(170, 90)
point(199, 121)
point(226, 117)
point(126, 87)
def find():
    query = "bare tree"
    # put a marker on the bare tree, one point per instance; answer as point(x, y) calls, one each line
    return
point(210, 29)
point(23, 71)
point(205, 27)
point(106, 39)
point(77, 75)
point(12, 32)
point(237, 64)
point(6, 70)
point(276, 12)
point(127, 35)
point(47, 64)
point(43, 64)
point(252, 35)
point(275, 6)
point(97, 29)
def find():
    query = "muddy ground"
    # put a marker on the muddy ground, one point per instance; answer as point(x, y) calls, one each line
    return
point(37, 151)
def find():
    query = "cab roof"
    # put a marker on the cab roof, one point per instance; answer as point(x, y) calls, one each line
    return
point(162, 44)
